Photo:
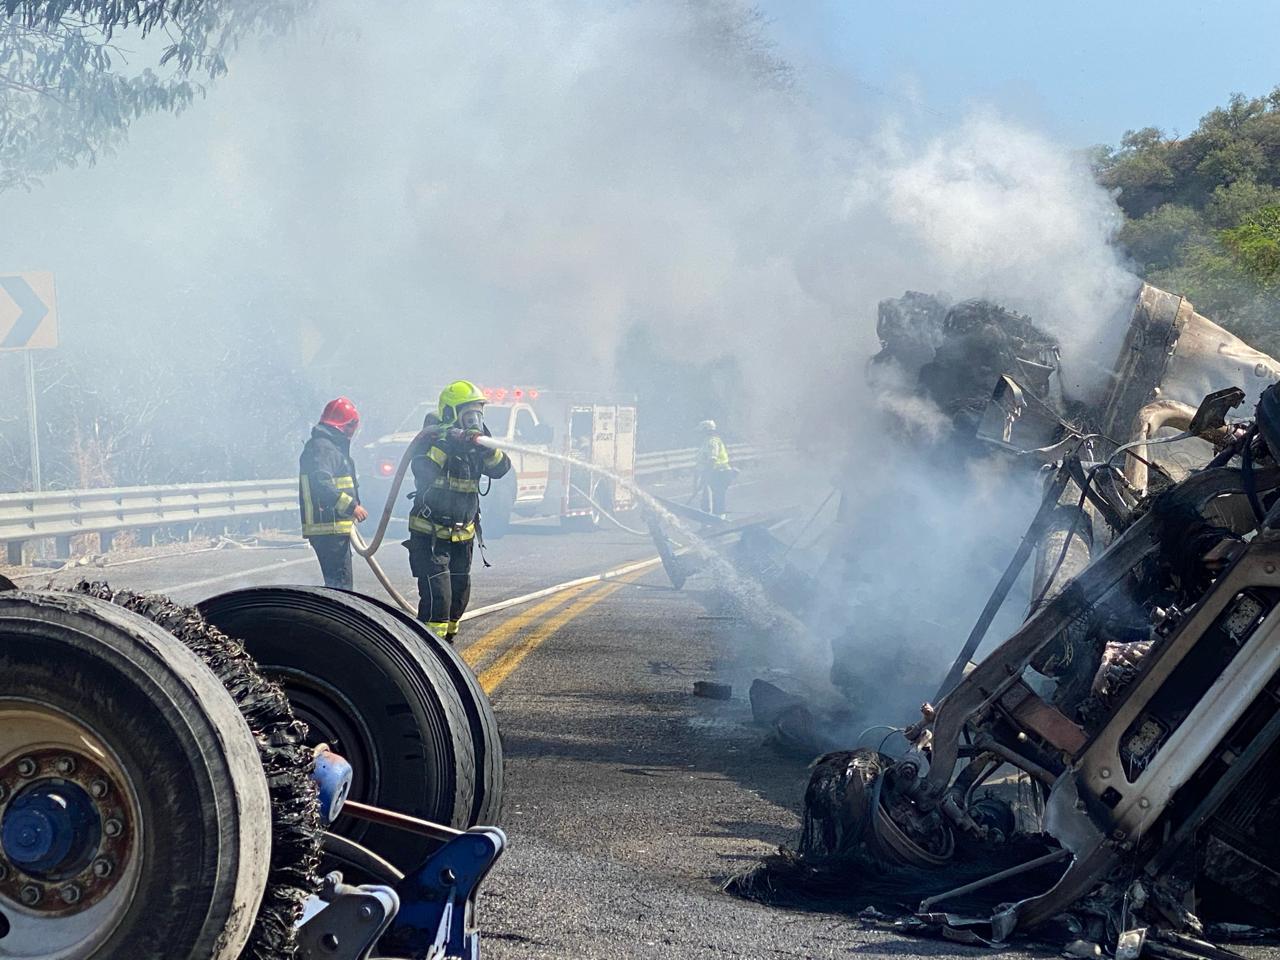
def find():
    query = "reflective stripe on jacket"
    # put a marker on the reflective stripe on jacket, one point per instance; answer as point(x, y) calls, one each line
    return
point(328, 492)
point(446, 502)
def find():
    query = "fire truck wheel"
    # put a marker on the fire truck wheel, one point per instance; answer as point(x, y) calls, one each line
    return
point(135, 818)
point(365, 685)
point(602, 494)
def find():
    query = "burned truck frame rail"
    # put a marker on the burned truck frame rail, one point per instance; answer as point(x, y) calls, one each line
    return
point(1140, 699)
point(1203, 712)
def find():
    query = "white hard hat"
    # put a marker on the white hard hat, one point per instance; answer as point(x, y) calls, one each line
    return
point(708, 425)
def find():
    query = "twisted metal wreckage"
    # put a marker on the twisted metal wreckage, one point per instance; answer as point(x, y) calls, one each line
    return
point(1141, 697)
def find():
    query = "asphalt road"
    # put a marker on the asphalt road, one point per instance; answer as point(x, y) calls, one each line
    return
point(629, 799)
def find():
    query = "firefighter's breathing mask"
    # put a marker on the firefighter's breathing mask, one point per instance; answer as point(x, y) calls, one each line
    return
point(471, 419)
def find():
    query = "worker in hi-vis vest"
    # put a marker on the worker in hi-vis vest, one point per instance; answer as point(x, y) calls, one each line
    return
point(713, 472)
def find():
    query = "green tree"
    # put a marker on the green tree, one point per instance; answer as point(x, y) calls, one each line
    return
point(1256, 244)
point(1203, 212)
point(69, 88)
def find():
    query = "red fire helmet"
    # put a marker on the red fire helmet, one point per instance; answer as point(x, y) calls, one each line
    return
point(342, 414)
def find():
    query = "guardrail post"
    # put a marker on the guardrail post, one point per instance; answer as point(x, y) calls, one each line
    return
point(13, 549)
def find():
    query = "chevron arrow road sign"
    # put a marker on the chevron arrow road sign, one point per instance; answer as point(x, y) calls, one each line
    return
point(28, 312)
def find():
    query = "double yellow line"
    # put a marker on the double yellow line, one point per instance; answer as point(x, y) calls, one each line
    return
point(528, 630)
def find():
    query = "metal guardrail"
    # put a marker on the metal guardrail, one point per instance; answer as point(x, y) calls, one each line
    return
point(683, 461)
point(60, 515)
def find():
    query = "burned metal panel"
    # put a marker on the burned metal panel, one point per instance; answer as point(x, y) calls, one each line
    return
point(1044, 720)
point(1151, 746)
point(1000, 670)
point(1173, 353)
point(1154, 328)
point(1207, 358)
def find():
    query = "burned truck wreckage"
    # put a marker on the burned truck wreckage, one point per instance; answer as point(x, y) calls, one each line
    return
point(1137, 707)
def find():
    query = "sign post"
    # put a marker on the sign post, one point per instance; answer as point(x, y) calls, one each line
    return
point(33, 423)
point(29, 321)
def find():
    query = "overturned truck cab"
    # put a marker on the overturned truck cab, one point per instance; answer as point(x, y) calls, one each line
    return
point(1141, 696)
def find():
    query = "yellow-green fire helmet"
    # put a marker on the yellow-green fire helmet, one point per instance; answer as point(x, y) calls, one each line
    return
point(455, 395)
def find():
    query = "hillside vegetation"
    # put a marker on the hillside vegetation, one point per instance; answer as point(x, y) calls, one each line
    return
point(1203, 213)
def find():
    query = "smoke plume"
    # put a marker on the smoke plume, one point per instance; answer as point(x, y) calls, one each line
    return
point(586, 196)
point(387, 200)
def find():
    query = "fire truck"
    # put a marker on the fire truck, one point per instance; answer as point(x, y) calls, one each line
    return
point(556, 438)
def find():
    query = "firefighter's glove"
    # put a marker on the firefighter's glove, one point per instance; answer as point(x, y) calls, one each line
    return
point(473, 435)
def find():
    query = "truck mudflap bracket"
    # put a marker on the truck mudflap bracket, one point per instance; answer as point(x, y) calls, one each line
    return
point(428, 915)
point(437, 901)
point(349, 924)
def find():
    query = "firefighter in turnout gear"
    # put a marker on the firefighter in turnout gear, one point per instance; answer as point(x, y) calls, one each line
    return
point(328, 494)
point(444, 522)
point(714, 473)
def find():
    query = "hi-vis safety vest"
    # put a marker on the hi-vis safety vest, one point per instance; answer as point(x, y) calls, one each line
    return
point(716, 454)
point(318, 521)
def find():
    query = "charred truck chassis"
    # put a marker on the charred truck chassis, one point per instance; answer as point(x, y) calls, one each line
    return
point(1159, 785)
point(1141, 697)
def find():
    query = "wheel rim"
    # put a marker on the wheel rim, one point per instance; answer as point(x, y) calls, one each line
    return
point(70, 834)
point(333, 719)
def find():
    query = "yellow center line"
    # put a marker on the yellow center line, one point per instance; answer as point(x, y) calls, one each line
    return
point(505, 665)
point(474, 653)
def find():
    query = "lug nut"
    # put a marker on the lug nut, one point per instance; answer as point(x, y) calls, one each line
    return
point(99, 789)
point(26, 767)
point(65, 766)
point(113, 828)
point(102, 868)
point(30, 895)
point(70, 893)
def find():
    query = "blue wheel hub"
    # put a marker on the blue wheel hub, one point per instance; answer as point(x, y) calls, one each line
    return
point(50, 829)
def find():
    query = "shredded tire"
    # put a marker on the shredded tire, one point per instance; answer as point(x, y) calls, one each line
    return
point(296, 830)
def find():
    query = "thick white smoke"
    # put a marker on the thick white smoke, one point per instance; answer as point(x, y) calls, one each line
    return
point(403, 193)
point(432, 189)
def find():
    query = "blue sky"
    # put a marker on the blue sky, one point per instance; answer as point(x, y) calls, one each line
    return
point(1083, 70)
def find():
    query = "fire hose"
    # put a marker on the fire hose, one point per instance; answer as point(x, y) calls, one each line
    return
point(605, 512)
point(367, 550)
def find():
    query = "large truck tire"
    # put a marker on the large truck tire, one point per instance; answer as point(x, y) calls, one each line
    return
point(486, 808)
point(366, 686)
point(115, 732)
point(296, 828)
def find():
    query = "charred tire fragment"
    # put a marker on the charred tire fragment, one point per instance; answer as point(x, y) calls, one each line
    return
point(486, 808)
point(188, 768)
point(364, 684)
point(296, 830)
